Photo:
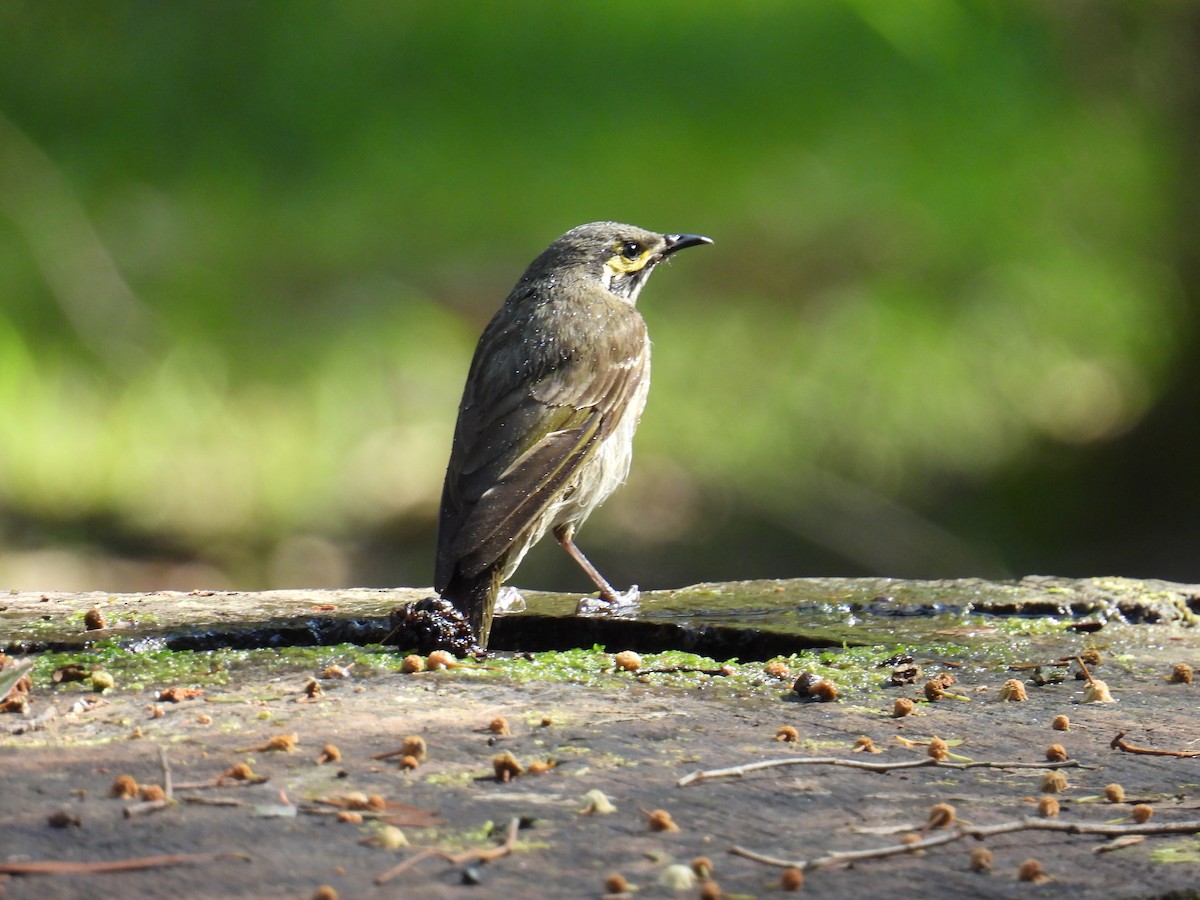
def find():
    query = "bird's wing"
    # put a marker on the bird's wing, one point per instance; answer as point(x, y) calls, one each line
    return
point(523, 432)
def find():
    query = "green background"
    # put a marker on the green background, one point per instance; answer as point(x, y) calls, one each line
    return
point(948, 326)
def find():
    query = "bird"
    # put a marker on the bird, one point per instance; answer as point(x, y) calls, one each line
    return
point(545, 428)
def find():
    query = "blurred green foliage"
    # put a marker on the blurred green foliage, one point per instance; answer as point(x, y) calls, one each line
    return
point(246, 248)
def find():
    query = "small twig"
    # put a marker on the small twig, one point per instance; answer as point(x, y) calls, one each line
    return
point(927, 762)
point(689, 670)
point(70, 867)
point(1087, 676)
point(1023, 667)
point(1118, 743)
point(457, 859)
point(36, 723)
point(975, 831)
point(147, 806)
point(215, 801)
point(168, 787)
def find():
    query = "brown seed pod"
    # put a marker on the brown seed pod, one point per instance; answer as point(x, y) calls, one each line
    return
point(151, 792)
point(506, 767)
point(499, 726)
point(1047, 808)
point(409, 762)
point(1060, 723)
point(350, 817)
point(281, 743)
point(1054, 782)
point(941, 815)
point(546, 722)
point(787, 734)
point(865, 745)
point(702, 866)
point(329, 753)
point(1012, 690)
point(440, 659)
point(938, 749)
point(628, 661)
point(537, 768)
point(239, 772)
point(981, 860)
point(333, 670)
point(325, 892)
point(93, 620)
point(945, 679)
point(823, 691)
point(902, 707)
point(1181, 674)
point(414, 745)
point(792, 879)
point(1091, 657)
point(1097, 692)
point(1056, 753)
point(124, 787)
point(777, 670)
point(710, 890)
point(660, 820)
point(1114, 793)
point(313, 689)
point(616, 883)
point(1141, 813)
point(1031, 870)
point(934, 691)
point(412, 663)
point(203, 719)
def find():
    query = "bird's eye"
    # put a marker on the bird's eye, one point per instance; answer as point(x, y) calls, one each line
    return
point(631, 250)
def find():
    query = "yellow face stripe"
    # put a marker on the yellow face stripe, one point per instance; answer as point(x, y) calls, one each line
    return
point(619, 264)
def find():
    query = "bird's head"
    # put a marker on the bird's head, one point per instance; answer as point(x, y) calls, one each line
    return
point(619, 257)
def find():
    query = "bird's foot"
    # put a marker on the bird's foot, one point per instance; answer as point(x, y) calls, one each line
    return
point(509, 600)
point(625, 604)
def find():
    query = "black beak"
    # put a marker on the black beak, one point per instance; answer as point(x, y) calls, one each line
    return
point(679, 241)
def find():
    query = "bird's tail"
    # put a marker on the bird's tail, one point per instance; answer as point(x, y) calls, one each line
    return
point(475, 597)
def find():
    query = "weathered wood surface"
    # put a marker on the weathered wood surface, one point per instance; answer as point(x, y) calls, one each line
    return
point(632, 737)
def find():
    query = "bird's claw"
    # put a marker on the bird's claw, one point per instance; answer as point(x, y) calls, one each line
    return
point(624, 604)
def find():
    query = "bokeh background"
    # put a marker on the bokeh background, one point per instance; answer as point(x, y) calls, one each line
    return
point(949, 325)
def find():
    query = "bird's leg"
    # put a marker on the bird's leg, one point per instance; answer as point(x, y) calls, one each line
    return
point(610, 598)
